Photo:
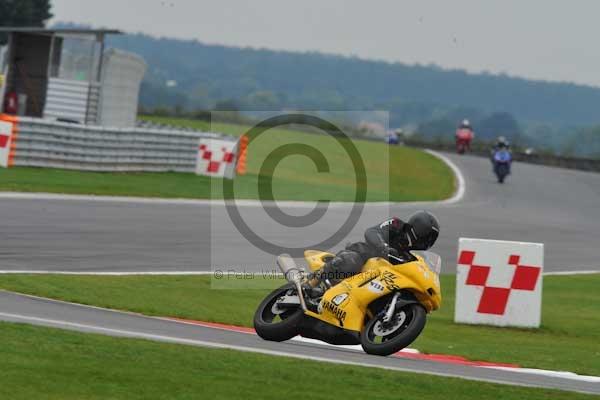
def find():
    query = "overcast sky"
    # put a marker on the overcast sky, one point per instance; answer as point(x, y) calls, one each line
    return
point(545, 39)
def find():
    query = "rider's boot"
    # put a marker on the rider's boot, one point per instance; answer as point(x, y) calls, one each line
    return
point(318, 282)
point(316, 286)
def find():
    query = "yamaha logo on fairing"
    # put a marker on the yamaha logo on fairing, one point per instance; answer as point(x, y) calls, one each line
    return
point(335, 310)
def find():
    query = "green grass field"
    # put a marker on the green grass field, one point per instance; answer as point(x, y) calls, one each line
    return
point(568, 339)
point(43, 363)
point(393, 173)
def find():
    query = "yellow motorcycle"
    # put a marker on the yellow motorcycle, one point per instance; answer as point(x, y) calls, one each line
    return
point(383, 308)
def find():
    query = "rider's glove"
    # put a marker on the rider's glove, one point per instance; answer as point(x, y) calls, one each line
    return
point(387, 251)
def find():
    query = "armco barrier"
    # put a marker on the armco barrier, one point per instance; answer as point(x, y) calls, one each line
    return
point(44, 143)
point(582, 164)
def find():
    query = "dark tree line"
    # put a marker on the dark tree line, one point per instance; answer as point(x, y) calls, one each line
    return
point(264, 79)
point(23, 13)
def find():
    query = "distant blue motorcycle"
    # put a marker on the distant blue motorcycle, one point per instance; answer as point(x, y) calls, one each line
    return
point(502, 160)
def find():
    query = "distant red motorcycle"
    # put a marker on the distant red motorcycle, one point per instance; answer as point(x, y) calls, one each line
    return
point(464, 136)
point(462, 145)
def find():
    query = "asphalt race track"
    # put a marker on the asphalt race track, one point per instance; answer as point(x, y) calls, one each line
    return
point(26, 309)
point(557, 207)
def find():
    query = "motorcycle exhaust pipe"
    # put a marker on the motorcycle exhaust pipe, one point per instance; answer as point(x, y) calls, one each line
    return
point(293, 274)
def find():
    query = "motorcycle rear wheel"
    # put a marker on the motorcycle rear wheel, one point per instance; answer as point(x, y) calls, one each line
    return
point(384, 339)
point(276, 325)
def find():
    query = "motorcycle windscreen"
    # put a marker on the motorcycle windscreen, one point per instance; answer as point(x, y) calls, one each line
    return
point(433, 260)
point(502, 156)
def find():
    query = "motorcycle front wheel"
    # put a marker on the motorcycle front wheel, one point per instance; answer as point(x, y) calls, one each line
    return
point(501, 172)
point(274, 324)
point(385, 338)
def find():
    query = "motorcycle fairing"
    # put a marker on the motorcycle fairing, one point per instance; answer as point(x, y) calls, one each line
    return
point(345, 305)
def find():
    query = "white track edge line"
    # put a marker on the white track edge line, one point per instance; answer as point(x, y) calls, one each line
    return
point(197, 202)
point(550, 373)
point(132, 273)
point(581, 272)
point(460, 179)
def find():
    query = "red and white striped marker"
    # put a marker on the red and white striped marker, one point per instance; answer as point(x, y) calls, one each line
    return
point(216, 158)
point(5, 141)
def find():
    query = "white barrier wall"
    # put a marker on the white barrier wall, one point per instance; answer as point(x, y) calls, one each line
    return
point(5, 133)
point(499, 283)
point(216, 157)
point(122, 75)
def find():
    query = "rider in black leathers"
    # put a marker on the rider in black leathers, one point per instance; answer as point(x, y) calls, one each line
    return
point(392, 237)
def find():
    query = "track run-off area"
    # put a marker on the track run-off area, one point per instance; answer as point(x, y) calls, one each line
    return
point(39, 233)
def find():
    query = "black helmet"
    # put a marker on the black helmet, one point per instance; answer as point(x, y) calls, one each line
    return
point(423, 230)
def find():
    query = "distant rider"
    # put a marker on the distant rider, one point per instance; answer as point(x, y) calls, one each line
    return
point(501, 144)
point(392, 237)
point(465, 134)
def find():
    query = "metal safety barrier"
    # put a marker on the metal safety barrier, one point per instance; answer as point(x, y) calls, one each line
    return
point(582, 164)
point(44, 143)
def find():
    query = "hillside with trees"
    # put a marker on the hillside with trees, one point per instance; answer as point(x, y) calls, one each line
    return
point(188, 75)
point(264, 78)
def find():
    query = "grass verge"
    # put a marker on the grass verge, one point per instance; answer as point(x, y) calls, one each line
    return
point(393, 174)
point(567, 340)
point(43, 363)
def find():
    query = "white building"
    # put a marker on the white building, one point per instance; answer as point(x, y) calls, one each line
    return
point(68, 75)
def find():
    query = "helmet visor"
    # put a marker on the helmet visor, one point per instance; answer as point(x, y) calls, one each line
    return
point(431, 238)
